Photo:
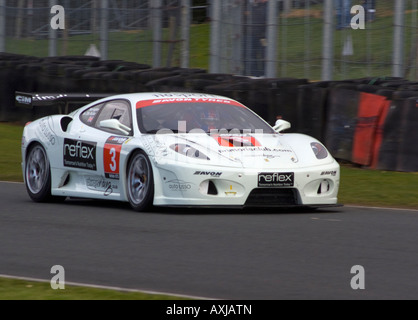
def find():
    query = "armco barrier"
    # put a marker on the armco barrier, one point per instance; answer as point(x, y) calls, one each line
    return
point(370, 121)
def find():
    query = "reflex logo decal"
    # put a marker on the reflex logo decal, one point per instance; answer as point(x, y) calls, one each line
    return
point(111, 156)
point(236, 141)
point(79, 154)
point(276, 179)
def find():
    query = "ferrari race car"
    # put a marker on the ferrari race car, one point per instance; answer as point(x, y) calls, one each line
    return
point(174, 149)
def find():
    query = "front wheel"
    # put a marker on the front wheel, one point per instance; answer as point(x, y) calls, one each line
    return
point(140, 182)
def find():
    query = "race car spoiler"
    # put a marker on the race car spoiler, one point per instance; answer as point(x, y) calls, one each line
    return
point(31, 100)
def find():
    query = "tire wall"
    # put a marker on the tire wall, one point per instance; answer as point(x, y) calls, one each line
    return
point(341, 120)
point(398, 149)
point(372, 122)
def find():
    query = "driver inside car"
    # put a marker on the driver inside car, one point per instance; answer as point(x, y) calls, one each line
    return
point(209, 120)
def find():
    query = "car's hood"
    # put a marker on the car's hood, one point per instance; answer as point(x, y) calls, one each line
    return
point(256, 151)
point(240, 150)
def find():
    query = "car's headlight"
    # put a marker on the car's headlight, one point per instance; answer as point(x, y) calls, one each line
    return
point(319, 150)
point(189, 151)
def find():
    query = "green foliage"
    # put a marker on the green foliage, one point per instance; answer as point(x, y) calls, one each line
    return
point(10, 156)
point(378, 188)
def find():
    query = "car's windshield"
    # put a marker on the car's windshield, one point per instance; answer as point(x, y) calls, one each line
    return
point(197, 116)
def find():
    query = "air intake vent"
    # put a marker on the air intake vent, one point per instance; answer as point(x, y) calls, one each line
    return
point(272, 197)
point(212, 189)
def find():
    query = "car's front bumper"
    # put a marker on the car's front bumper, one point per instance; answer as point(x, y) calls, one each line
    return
point(191, 185)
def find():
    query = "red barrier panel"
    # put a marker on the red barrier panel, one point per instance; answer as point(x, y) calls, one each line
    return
point(371, 107)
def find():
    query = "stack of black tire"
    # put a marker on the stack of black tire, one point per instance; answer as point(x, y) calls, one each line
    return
point(335, 112)
point(386, 109)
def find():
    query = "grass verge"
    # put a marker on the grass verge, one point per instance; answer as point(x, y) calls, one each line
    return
point(378, 188)
point(16, 289)
point(10, 156)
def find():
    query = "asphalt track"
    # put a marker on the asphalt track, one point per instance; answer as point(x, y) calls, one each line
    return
point(218, 254)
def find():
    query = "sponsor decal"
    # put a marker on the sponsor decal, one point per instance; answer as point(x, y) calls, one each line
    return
point(183, 95)
point(208, 173)
point(90, 114)
point(327, 173)
point(46, 130)
point(179, 185)
point(276, 179)
point(101, 185)
point(148, 142)
point(236, 141)
point(111, 156)
point(117, 140)
point(46, 98)
point(148, 103)
point(267, 150)
point(79, 154)
point(24, 99)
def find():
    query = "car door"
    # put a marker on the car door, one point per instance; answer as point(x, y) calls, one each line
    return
point(98, 147)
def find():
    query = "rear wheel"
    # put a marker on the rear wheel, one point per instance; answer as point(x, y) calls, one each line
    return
point(38, 174)
point(140, 182)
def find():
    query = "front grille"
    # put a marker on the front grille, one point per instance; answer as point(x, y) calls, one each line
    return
point(272, 197)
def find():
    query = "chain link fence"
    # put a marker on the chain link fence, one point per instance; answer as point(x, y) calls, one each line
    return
point(148, 32)
point(315, 39)
point(271, 38)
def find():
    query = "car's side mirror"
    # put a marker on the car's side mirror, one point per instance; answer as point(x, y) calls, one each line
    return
point(281, 125)
point(115, 125)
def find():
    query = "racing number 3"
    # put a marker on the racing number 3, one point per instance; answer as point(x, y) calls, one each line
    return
point(111, 156)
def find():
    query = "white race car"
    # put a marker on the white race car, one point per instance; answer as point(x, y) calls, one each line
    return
point(175, 149)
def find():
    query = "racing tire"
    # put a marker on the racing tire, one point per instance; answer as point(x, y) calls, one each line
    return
point(140, 182)
point(38, 174)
